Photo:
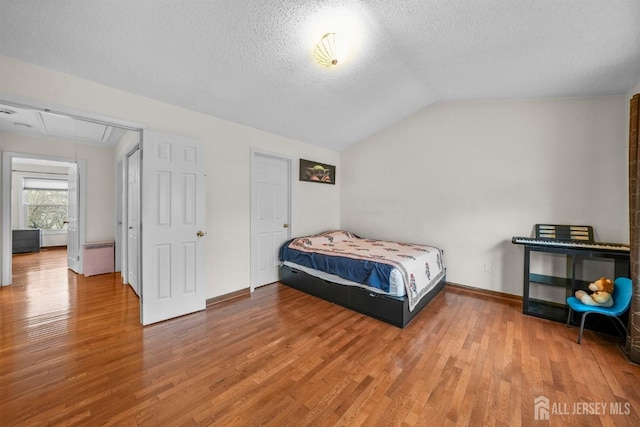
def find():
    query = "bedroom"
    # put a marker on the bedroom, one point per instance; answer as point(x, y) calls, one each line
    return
point(489, 209)
point(496, 172)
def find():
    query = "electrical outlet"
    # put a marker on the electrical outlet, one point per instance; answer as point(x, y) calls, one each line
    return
point(487, 268)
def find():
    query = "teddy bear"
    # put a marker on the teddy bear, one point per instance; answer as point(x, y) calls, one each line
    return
point(602, 290)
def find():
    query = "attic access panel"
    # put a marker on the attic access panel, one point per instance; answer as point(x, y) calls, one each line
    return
point(75, 129)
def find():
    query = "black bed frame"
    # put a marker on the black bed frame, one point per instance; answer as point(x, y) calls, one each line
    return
point(388, 309)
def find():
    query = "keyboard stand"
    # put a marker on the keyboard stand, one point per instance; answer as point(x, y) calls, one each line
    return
point(559, 311)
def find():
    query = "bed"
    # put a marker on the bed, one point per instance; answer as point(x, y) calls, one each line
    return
point(389, 281)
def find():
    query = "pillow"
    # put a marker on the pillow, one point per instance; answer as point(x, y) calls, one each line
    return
point(324, 238)
point(338, 235)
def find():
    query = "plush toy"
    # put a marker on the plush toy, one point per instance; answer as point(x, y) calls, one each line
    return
point(602, 290)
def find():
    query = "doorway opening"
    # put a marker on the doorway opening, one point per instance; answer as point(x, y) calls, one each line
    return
point(42, 148)
point(40, 210)
point(25, 178)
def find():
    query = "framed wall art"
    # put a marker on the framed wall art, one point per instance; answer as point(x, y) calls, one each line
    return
point(317, 172)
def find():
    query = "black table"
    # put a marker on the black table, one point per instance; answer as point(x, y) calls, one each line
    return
point(574, 251)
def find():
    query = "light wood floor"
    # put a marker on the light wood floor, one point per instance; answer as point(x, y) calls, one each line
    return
point(73, 353)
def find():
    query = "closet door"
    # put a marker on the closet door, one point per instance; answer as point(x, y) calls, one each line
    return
point(270, 213)
point(133, 220)
point(73, 219)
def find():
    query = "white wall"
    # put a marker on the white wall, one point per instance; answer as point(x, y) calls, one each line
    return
point(468, 176)
point(228, 162)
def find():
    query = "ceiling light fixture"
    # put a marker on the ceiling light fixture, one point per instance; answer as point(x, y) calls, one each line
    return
point(325, 51)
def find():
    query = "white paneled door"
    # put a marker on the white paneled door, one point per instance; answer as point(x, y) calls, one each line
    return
point(133, 219)
point(173, 221)
point(270, 212)
point(73, 219)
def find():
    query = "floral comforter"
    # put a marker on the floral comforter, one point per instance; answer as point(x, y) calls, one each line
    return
point(369, 261)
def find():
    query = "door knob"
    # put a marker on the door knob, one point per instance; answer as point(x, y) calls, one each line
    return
point(200, 233)
point(286, 225)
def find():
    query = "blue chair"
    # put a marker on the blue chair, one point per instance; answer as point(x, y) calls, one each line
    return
point(622, 292)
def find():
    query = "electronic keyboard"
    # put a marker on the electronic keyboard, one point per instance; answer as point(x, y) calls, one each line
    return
point(570, 244)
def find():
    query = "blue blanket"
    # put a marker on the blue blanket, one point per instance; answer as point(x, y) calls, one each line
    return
point(367, 272)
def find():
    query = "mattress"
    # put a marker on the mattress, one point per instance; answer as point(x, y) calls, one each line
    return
point(392, 268)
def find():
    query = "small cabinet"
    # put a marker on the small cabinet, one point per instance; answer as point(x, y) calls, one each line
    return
point(27, 240)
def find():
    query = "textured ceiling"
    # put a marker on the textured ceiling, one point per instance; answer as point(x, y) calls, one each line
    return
point(250, 61)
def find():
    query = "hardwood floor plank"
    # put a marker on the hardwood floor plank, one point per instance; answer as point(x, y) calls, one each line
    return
point(73, 352)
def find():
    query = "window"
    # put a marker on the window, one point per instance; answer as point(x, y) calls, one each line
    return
point(44, 203)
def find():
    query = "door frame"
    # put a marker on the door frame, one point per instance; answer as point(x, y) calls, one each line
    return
point(289, 160)
point(7, 217)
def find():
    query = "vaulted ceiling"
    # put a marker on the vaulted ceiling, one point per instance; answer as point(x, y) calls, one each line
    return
point(251, 61)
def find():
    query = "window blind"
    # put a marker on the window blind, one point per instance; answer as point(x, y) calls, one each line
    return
point(45, 184)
